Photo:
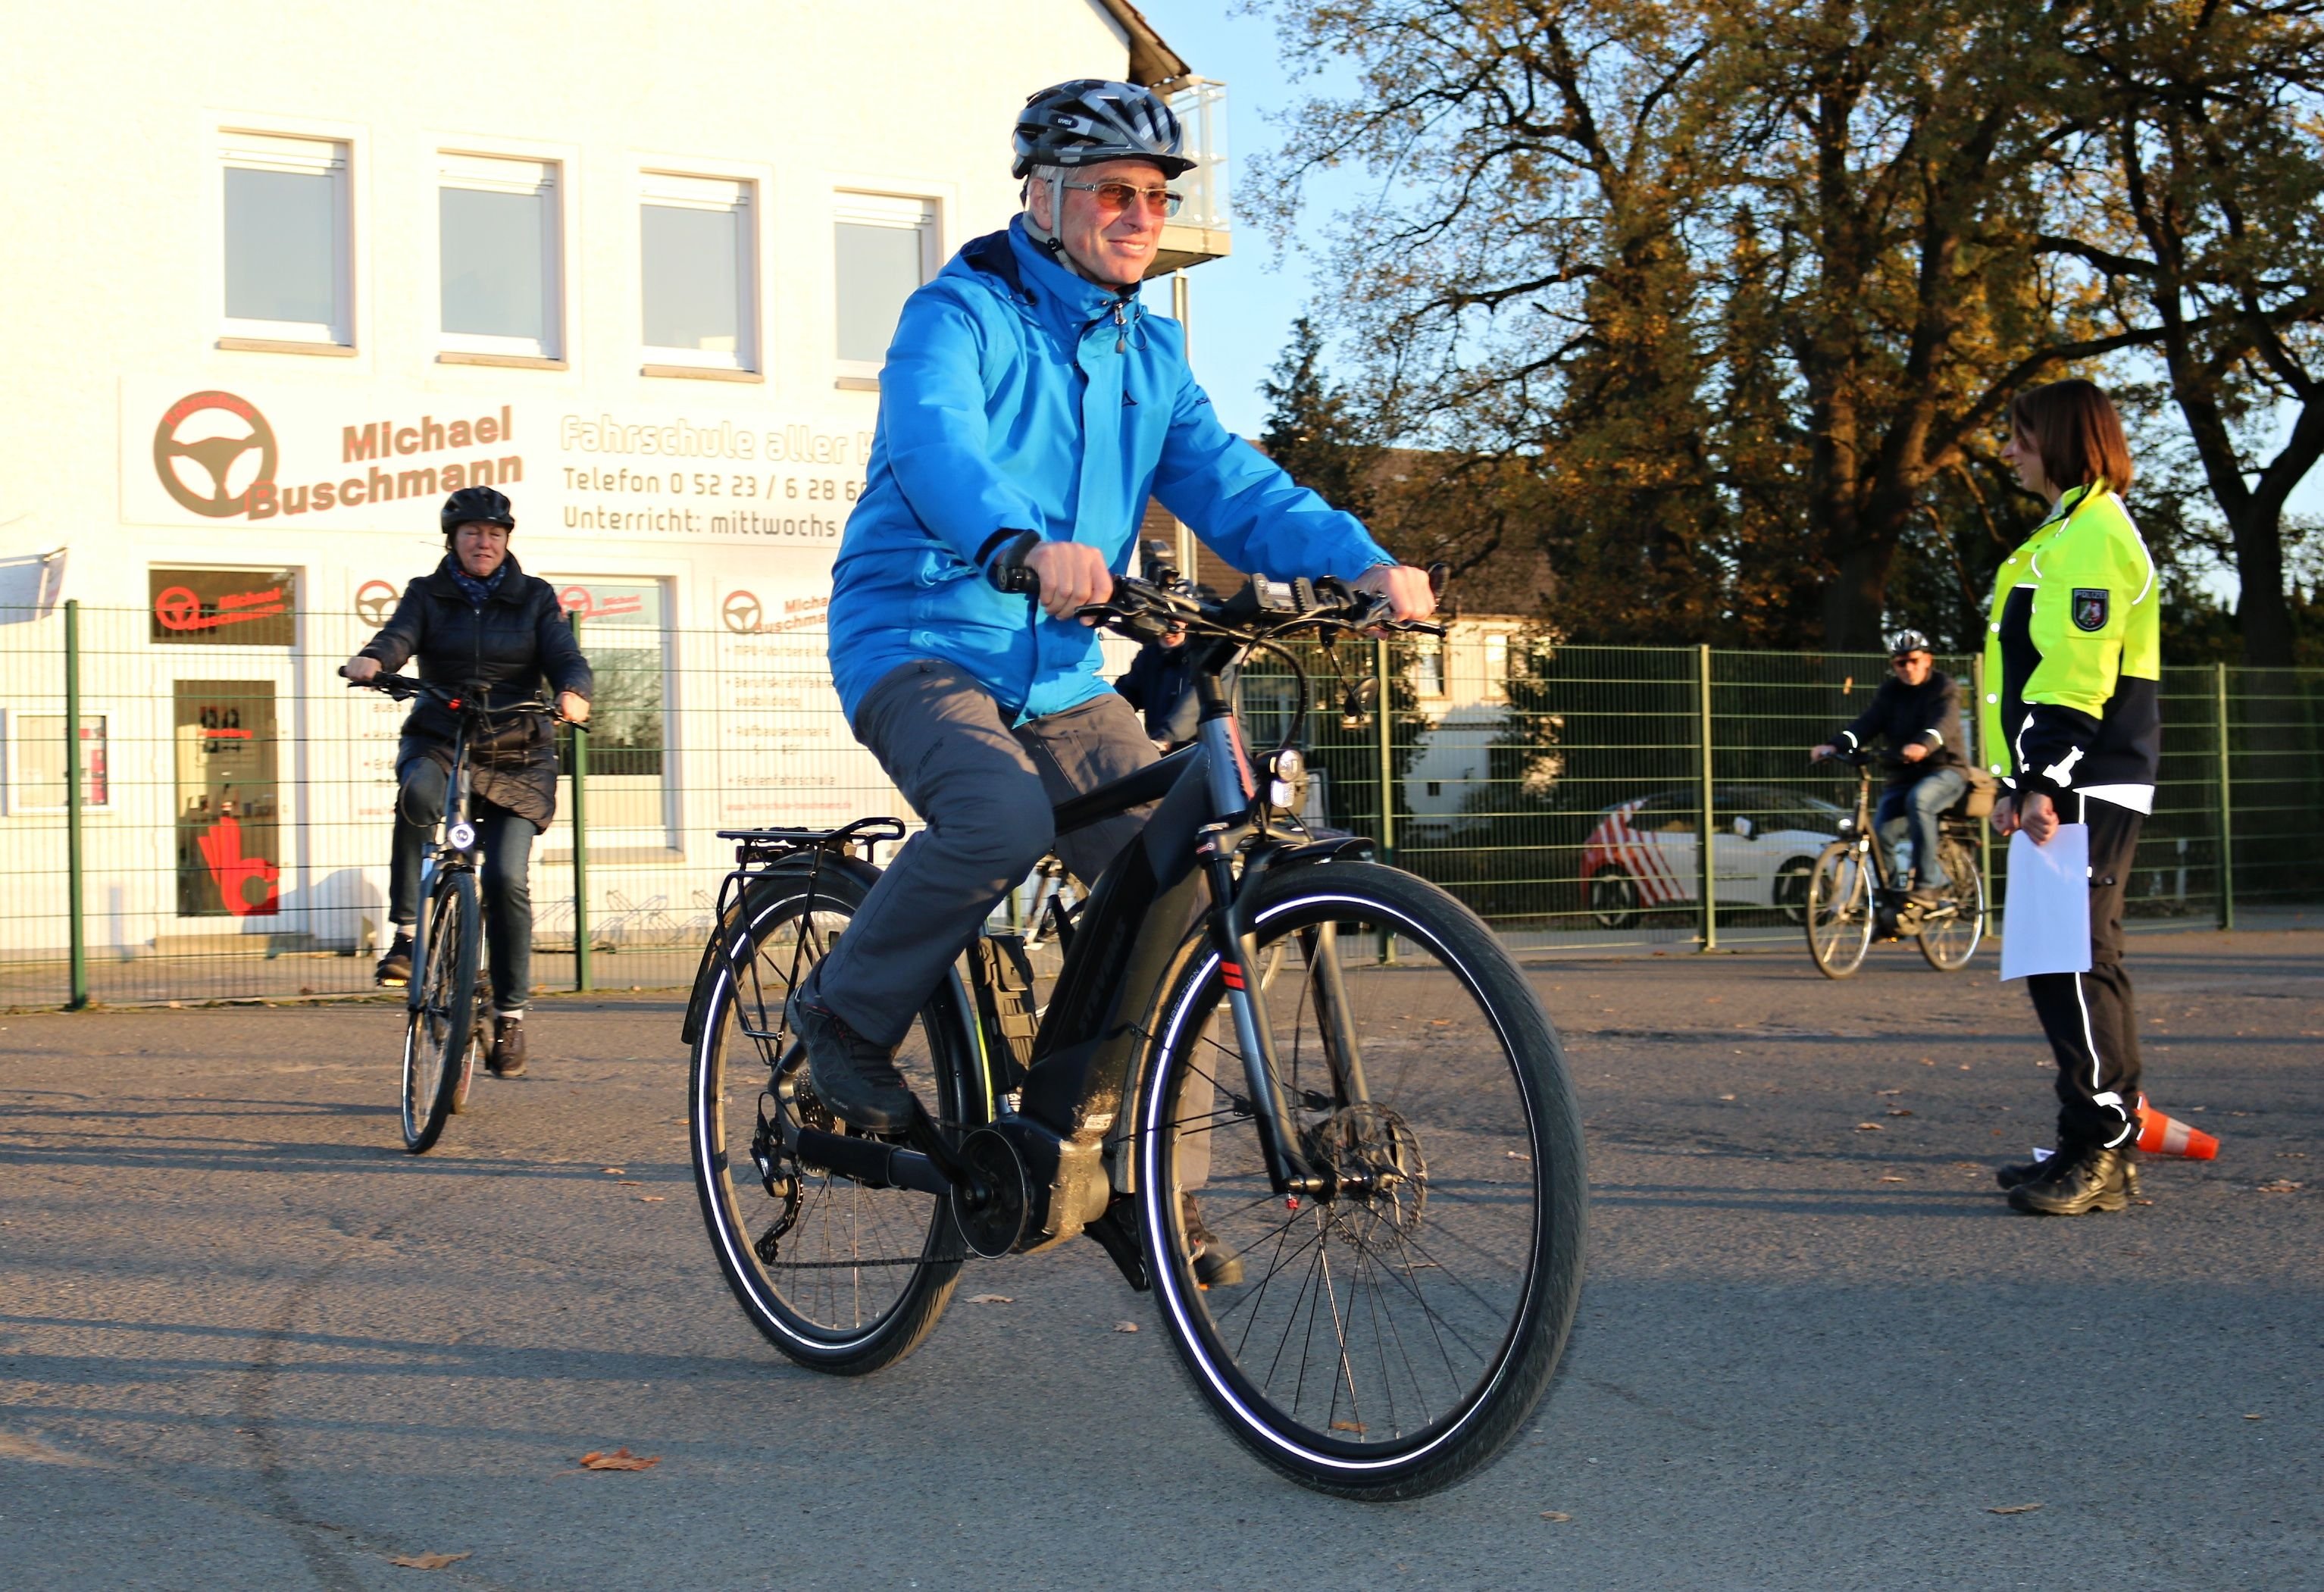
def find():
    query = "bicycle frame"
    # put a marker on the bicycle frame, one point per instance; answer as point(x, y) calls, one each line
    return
point(1185, 884)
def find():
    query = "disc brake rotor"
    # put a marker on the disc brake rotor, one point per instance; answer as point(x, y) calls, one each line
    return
point(1375, 1157)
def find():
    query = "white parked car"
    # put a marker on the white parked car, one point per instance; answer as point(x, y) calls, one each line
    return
point(1646, 852)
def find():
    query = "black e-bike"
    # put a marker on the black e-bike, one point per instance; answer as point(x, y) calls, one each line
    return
point(1260, 1041)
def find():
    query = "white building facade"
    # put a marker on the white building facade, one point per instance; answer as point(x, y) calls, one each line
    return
point(296, 273)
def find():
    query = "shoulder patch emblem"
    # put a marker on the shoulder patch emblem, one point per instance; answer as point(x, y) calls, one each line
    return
point(2089, 608)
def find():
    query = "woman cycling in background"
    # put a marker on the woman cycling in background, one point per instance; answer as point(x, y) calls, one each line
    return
point(479, 620)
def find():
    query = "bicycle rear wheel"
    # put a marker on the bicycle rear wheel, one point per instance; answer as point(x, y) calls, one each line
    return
point(838, 1276)
point(438, 1027)
point(1949, 936)
point(1839, 910)
point(1388, 1342)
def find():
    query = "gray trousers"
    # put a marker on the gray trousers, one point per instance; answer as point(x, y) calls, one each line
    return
point(984, 789)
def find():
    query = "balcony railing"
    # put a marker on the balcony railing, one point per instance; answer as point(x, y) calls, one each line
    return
point(1200, 231)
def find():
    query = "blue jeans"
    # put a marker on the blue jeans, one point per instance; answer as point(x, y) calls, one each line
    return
point(507, 843)
point(1917, 807)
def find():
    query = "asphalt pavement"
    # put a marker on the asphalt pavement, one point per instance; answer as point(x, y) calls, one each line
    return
point(247, 1341)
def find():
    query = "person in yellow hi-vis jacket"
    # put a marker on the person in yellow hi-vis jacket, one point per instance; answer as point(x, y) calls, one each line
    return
point(2073, 727)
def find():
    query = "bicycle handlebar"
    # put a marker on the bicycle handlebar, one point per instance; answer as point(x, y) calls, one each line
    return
point(403, 688)
point(1146, 610)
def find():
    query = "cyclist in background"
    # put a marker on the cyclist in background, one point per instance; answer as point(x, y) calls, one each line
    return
point(479, 620)
point(1917, 711)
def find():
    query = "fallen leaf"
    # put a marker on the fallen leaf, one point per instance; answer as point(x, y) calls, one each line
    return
point(426, 1561)
point(1868, 1127)
point(1892, 1180)
point(990, 1299)
point(2254, 1417)
point(2014, 1509)
point(1125, 1326)
point(2281, 1185)
point(1355, 1426)
point(614, 1171)
point(1887, 1091)
point(1513, 1155)
point(1900, 1110)
point(1555, 1514)
point(619, 1459)
point(652, 1199)
point(1726, 1097)
point(629, 1182)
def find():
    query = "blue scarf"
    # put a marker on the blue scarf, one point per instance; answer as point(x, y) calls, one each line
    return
point(477, 592)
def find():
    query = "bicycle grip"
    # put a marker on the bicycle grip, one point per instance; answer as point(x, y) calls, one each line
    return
point(1008, 572)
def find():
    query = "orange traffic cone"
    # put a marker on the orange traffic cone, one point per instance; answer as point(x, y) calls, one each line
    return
point(2167, 1136)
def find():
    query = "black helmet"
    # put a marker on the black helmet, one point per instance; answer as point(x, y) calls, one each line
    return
point(477, 505)
point(1905, 642)
point(1090, 120)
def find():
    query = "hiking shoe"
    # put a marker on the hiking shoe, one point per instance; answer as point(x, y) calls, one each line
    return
point(2021, 1172)
point(394, 969)
point(2073, 1181)
point(856, 1077)
point(1216, 1265)
point(507, 1057)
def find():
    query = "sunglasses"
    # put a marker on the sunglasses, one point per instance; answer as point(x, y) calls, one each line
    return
point(1114, 197)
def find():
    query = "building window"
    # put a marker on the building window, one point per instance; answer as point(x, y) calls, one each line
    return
point(288, 272)
point(1428, 665)
point(39, 763)
point(623, 631)
point(885, 247)
point(497, 228)
point(1497, 667)
point(699, 272)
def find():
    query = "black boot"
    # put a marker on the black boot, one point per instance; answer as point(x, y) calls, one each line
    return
point(507, 1060)
point(856, 1078)
point(2074, 1181)
point(1216, 1265)
point(394, 969)
point(2018, 1172)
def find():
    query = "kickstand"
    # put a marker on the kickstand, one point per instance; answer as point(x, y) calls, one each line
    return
point(1116, 1233)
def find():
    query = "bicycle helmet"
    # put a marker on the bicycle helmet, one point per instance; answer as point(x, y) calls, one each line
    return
point(1905, 642)
point(473, 505)
point(1089, 120)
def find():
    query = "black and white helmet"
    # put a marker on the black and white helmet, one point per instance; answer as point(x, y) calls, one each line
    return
point(1090, 120)
point(1908, 641)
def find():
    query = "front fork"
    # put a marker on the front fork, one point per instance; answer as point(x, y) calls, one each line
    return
point(1288, 1169)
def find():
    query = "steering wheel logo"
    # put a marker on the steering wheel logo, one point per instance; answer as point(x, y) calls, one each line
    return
point(199, 452)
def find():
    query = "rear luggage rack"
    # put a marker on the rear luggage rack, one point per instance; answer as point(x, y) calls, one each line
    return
point(757, 846)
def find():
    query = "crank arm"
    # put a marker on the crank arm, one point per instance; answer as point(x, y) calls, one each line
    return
point(873, 1162)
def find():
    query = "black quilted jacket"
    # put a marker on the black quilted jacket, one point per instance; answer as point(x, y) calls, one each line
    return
point(518, 637)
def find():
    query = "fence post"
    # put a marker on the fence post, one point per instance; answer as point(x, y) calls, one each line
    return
point(75, 864)
point(1707, 867)
point(1384, 717)
point(2226, 800)
point(582, 980)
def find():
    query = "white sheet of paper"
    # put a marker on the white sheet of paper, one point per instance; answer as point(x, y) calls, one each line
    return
point(2047, 928)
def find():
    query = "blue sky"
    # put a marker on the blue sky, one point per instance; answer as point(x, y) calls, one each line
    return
point(1243, 305)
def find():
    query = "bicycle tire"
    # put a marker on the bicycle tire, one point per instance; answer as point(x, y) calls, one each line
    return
point(437, 1028)
point(1473, 1254)
point(799, 1263)
point(1839, 911)
point(1949, 941)
point(480, 1040)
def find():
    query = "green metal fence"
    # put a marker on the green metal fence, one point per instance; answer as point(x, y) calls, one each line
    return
point(217, 825)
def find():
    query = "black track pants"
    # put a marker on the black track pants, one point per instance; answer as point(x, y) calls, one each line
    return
point(2089, 1018)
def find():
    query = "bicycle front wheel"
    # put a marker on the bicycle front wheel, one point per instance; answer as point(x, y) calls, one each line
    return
point(1391, 1337)
point(840, 1277)
point(1950, 936)
point(1839, 910)
point(438, 1027)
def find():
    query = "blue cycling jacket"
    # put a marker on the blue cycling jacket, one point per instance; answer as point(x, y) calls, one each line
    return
point(1018, 396)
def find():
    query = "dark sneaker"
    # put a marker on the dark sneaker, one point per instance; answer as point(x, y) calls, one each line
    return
point(507, 1060)
point(1215, 1264)
point(2019, 1171)
point(2074, 1181)
point(857, 1079)
point(394, 969)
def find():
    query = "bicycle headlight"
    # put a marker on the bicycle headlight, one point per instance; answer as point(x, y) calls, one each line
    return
point(463, 836)
point(1283, 771)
